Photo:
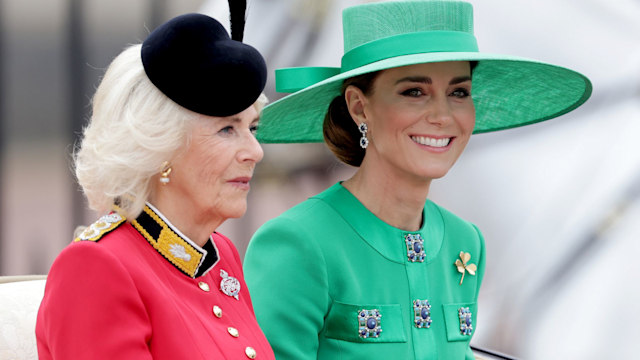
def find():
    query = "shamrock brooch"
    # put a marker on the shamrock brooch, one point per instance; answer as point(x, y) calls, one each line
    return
point(463, 267)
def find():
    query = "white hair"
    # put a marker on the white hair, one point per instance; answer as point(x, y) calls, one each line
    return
point(134, 129)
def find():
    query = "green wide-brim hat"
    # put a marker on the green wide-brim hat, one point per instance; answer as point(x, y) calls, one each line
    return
point(508, 91)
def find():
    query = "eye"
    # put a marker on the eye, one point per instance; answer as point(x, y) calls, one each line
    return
point(413, 92)
point(253, 129)
point(226, 130)
point(460, 93)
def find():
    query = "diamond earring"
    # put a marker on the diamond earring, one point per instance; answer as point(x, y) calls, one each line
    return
point(364, 142)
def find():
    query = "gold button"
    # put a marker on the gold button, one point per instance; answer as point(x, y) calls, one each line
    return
point(204, 286)
point(233, 332)
point(217, 311)
point(251, 352)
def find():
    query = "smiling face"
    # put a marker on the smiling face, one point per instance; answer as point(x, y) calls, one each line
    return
point(420, 118)
point(210, 179)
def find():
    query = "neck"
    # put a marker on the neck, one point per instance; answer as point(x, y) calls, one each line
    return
point(395, 199)
point(193, 224)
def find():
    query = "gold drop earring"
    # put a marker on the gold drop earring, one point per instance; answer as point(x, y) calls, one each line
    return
point(164, 173)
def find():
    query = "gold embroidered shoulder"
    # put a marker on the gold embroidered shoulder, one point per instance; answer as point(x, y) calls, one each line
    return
point(98, 229)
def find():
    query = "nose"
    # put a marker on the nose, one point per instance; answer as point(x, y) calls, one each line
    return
point(252, 151)
point(440, 111)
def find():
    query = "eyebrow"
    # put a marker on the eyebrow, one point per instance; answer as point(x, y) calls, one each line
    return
point(236, 119)
point(427, 80)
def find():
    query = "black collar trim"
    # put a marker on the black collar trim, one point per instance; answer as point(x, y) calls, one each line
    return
point(179, 250)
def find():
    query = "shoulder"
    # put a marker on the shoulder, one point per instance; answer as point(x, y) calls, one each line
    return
point(309, 209)
point(312, 213)
point(103, 247)
point(85, 272)
point(94, 256)
point(305, 217)
point(457, 231)
point(101, 227)
point(86, 279)
point(92, 268)
point(295, 233)
point(450, 219)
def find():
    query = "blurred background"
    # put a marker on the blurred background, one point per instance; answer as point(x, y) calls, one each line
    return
point(558, 202)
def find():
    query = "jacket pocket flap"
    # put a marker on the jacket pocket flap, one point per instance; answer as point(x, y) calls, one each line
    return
point(459, 320)
point(359, 323)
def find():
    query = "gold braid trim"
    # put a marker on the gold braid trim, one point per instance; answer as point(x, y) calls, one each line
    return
point(102, 226)
point(171, 245)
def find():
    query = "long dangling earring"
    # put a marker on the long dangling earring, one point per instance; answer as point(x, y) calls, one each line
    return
point(364, 142)
point(164, 174)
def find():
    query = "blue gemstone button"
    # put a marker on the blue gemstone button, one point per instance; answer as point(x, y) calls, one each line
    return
point(415, 247)
point(466, 326)
point(422, 313)
point(369, 323)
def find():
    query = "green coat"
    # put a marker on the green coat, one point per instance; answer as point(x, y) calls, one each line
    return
point(320, 273)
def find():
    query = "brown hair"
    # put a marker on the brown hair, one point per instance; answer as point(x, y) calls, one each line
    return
point(340, 131)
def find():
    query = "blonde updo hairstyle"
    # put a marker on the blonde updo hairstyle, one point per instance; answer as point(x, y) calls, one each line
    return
point(134, 129)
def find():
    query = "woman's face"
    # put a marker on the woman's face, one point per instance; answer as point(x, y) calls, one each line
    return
point(420, 118)
point(213, 172)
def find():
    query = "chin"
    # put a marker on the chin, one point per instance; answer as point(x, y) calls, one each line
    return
point(433, 173)
point(428, 169)
point(437, 176)
point(235, 212)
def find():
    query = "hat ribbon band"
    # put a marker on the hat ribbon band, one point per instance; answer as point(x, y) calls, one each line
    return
point(289, 80)
point(408, 44)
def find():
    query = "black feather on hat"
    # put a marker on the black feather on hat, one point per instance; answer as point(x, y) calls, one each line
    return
point(193, 61)
point(237, 12)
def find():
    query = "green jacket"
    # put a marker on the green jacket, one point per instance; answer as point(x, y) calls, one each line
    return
point(322, 272)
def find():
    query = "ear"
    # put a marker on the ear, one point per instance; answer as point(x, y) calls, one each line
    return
point(356, 101)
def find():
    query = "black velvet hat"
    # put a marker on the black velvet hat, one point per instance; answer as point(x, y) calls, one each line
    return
point(193, 61)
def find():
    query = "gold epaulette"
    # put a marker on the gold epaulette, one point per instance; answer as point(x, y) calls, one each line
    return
point(98, 229)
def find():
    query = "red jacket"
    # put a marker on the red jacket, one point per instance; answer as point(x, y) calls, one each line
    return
point(132, 296)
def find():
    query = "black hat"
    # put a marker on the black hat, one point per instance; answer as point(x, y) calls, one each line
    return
point(192, 60)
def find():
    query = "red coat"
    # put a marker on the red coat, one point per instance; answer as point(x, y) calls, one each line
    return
point(120, 298)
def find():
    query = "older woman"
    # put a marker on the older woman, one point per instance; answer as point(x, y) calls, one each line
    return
point(370, 268)
point(168, 156)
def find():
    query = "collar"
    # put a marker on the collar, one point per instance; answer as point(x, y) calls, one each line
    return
point(179, 250)
point(389, 241)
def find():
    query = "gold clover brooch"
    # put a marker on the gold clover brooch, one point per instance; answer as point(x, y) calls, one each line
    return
point(463, 266)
